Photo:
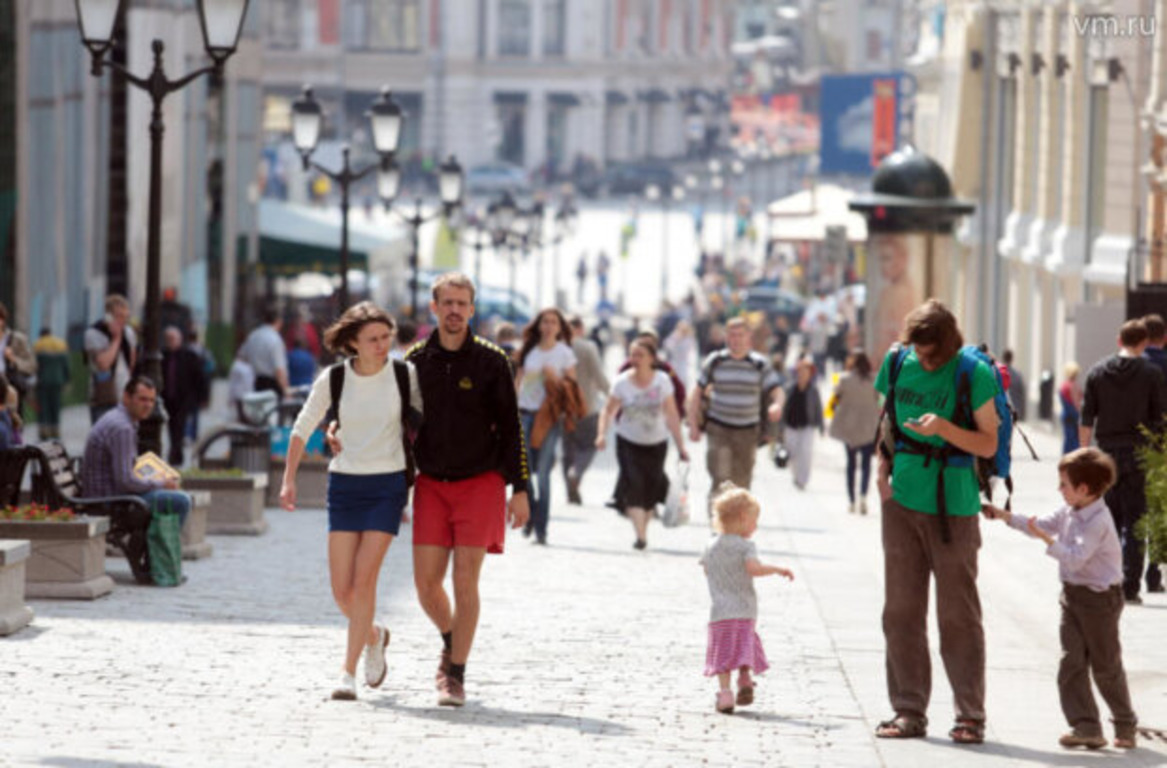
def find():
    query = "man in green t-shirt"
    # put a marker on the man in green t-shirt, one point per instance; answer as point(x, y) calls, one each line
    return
point(914, 545)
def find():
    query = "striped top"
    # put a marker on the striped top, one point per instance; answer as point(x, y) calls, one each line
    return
point(110, 450)
point(738, 387)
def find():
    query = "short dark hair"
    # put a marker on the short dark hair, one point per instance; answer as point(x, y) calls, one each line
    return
point(406, 331)
point(1156, 328)
point(132, 385)
point(1090, 467)
point(1133, 333)
point(270, 315)
point(933, 323)
point(1007, 357)
point(340, 335)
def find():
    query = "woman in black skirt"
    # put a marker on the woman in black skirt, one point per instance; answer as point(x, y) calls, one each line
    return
point(648, 415)
point(367, 487)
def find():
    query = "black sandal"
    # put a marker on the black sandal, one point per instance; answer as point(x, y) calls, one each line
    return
point(967, 732)
point(902, 727)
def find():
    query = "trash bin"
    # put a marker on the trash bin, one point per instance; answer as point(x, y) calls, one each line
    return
point(1045, 402)
point(251, 449)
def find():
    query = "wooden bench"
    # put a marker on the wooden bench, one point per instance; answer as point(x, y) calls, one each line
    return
point(55, 483)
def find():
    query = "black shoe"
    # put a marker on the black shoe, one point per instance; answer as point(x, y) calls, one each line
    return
point(573, 496)
point(527, 531)
point(541, 540)
point(1134, 600)
point(640, 544)
point(1157, 588)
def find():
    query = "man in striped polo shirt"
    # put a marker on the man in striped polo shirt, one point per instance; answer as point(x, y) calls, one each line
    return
point(734, 383)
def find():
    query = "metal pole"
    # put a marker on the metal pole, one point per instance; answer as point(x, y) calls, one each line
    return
point(150, 430)
point(415, 225)
point(343, 180)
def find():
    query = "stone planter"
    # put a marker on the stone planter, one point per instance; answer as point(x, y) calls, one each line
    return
point(236, 506)
point(67, 559)
point(311, 484)
point(14, 614)
point(194, 532)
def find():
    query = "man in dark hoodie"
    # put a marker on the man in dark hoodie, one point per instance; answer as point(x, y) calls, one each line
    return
point(1156, 337)
point(1123, 393)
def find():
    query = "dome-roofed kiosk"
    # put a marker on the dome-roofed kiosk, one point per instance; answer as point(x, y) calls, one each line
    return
point(910, 214)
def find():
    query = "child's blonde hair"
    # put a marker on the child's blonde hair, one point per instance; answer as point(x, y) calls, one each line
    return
point(732, 507)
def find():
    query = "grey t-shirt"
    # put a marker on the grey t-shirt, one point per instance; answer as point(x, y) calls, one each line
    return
point(730, 587)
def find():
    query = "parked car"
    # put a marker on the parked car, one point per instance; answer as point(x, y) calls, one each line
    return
point(774, 302)
point(496, 178)
point(632, 178)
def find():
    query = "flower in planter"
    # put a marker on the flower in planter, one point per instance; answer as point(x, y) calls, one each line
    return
point(36, 513)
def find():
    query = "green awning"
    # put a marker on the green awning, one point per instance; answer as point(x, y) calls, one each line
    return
point(289, 257)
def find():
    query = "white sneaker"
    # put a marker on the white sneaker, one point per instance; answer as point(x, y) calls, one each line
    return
point(863, 506)
point(346, 690)
point(375, 666)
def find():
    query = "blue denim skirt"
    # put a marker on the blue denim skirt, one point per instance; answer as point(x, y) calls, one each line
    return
point(366, 502)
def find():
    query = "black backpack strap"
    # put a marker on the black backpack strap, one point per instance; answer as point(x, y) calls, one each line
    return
point(401, 373)
point(335, 388)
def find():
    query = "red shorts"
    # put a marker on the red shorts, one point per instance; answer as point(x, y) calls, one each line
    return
point(461, 513)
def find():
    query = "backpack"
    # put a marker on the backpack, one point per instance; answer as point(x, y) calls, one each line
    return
point(409, 417)
point(998, 465)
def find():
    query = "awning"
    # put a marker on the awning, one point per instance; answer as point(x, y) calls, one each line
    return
point(510, 97)
point(299, 238)
point(654, 96)
point(616, 98)
point(805, 216)
point(563, 99)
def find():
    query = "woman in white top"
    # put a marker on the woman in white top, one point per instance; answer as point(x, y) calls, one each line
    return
point(648, 415)
point(546, 357)
point(367, 487)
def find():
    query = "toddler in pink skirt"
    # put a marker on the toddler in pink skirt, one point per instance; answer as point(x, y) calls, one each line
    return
point(731, 565)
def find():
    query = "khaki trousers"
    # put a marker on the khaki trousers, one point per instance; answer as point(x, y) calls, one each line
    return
point(730, 454)
point(1090, 644)
point(914, 556)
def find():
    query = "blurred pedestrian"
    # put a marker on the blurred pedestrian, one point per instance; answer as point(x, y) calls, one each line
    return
point(1123, 396)
point(736, 389)
point(17, 362)
point(545, 361)
point(1070, 395)
point(405, 338)
point(52, 365)
point(1017, 393)
point(648, 415)
point(240, 382)
point(802, 417)
point(182, 383)
point(367, 483)
point(301, 365)
point(680, 347)
point(204, 399)
point(731, 564)
point(1156, 338)
point(856, 419)
point(8, 434)
point(581, 277)
point(579, 445)
point(267, 354)
point(111, 351)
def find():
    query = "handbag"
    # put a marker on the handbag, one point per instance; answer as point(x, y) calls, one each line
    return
point(164, 544)
point(781, 456)
point(677, 501)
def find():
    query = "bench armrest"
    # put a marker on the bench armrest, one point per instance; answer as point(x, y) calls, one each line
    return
point(109, 501)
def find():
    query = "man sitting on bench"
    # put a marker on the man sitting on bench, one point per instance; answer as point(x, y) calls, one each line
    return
point(112, 446)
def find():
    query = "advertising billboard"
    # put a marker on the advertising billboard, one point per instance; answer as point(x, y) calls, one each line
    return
point(863, 118)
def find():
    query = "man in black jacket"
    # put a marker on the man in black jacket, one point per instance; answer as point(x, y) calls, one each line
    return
point(182, 382)
point(1124, 393)
point(468, 449)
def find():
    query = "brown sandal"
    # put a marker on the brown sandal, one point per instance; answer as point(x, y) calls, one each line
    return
point(902, 727)
point(967, 732)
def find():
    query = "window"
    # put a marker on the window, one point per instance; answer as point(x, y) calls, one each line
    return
point(514, 28)
point(283, 24)
point(554, 27)
point(383, 25)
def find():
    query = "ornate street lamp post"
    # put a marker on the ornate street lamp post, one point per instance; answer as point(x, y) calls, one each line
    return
point(385, 120)
point(451, 182)
point(221, 22)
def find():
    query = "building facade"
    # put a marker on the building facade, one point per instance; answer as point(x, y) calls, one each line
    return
point(531, 82)
point(71, 242)
point(1035, 109)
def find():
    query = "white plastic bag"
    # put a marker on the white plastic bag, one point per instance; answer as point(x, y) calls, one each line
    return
point(677, 502)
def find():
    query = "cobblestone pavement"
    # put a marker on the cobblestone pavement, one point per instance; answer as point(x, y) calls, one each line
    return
point(588, 653)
